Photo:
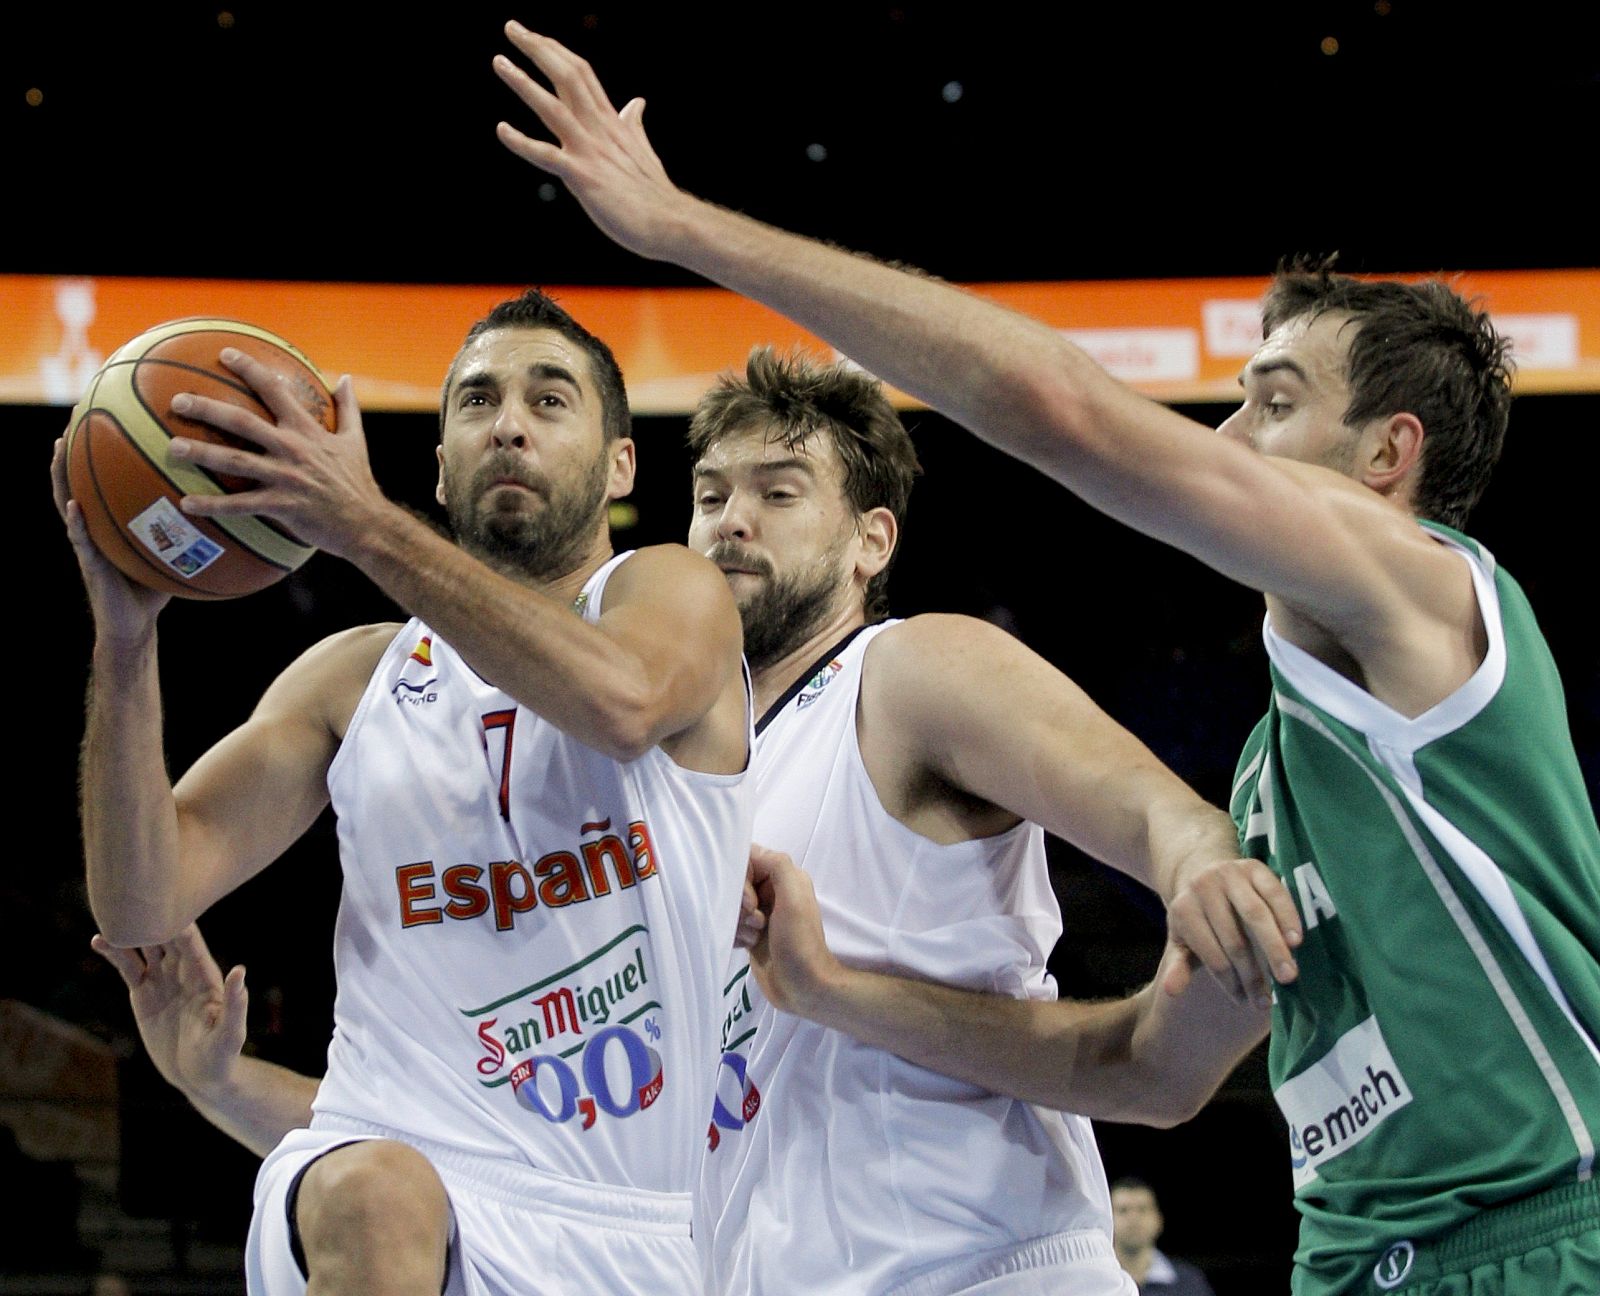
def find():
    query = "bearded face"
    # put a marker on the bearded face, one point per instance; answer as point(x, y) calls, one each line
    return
point(518, 521)
point(781, 612)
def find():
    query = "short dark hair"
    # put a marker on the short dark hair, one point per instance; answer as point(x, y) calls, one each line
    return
point(1418, 349)
point(534, 309)
point(794, 398)
point(1131, 1183)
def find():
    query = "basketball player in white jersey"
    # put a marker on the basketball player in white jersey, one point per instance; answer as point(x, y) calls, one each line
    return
point(543, 819)
point(912, 768)
point(901, 761)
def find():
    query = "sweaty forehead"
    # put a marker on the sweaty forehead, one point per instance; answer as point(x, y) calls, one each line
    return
point(1319, 346)
point(762, 446)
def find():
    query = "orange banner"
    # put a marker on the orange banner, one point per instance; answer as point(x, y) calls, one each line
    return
point(1175, 339)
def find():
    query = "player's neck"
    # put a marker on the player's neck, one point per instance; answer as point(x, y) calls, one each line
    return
point(566, 582)
point(773, 680)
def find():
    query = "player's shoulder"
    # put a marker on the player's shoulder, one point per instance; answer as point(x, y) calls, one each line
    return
point(1389, 531)
point(934, 658)
point(936, 638)
point(674, 581)
point(684, 596)
point(335, 670)
point(356, 649)
point(645, 568)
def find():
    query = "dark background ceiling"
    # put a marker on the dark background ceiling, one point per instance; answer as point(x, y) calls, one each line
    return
point(270, 139)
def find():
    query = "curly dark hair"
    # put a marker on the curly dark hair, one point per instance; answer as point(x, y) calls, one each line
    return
point(1419, 349)
point(794, 398)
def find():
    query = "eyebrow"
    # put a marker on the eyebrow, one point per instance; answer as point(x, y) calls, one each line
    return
point(767, 466)
point(484, 379)
point(1275, 365)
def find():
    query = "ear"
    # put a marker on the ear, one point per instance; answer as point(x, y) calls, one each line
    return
point(879, 534)
point(438, 490)
point(1392, 453)
point(622, 468)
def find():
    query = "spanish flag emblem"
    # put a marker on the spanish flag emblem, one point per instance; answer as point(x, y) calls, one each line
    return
point(423, 652)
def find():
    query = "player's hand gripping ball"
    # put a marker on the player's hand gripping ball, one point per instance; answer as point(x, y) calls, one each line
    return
point(128, 486)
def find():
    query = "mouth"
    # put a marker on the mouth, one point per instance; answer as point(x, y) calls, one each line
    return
point(730, 562)
point(517, 484)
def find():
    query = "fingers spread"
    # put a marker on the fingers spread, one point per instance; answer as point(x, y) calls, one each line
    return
point(126, 961)
point(277, 391)
point(226, 416)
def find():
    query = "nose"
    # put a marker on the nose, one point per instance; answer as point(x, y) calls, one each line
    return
point(733, 523)
point(510, 429)
point(1235, 428)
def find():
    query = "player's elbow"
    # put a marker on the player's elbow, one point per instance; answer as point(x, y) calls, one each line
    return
point(627, 726)
point(129, 927)
point(625, 743)
point(1167, 1109)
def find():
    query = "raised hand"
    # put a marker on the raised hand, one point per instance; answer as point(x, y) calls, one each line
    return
point(319, 487)
point(1237, 919)
point(190, 1017)
point(602, 155)
point(123, 609)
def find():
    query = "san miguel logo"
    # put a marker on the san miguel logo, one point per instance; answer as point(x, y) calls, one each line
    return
point(506, 888)
point(568, 1045)
point(737, 1098)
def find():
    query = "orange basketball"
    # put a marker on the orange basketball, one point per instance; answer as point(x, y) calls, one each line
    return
point(128, 486)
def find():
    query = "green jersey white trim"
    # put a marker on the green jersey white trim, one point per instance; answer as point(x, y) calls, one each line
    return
point(1474, 938)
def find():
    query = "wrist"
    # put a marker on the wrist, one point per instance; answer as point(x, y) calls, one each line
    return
point(123, 645)
point(374, 533)
point(212, 1089)
point(1191, 848)
point(824, 995)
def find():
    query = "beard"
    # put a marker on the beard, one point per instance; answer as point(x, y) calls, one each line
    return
point(786, 611)
point(531, 544)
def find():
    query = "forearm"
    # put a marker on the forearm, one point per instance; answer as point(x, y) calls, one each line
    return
point(528, 643)
point(1009, 378)
point(1149, 1059)
point(1184, 1046)
point(257, 1104)
point(130, 822)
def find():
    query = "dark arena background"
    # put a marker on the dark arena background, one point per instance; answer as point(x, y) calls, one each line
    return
point(354, 144)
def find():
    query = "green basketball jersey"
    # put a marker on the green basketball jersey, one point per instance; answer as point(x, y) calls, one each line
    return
point(1438, 1052)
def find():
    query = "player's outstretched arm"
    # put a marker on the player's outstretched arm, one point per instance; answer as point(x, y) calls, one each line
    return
point(1152, 1059)
point(1303, 533)
point(192, 1021)
point(955, 702)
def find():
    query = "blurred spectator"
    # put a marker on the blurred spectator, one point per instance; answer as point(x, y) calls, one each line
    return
point(1136, 1224)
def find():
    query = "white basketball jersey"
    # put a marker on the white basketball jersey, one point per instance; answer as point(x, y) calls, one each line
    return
point(532, 937)
point(839, 1167)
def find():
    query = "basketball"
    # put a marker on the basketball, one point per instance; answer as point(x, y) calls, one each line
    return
point(128, 486)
